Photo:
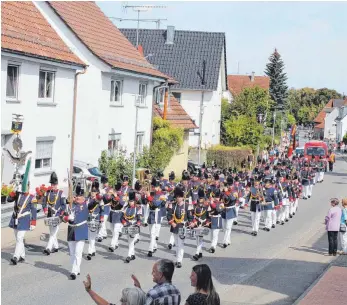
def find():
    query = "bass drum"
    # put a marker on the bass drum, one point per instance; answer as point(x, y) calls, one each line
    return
point(52, 221)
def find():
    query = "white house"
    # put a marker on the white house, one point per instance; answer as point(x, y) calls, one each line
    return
point(117, 75)
point(37, 82)
point(341, 123)
point(187, 56)
point(329, 123)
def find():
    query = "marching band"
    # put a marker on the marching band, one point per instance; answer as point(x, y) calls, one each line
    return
point(202, 204)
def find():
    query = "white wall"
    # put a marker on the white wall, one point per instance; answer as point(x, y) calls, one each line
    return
point(51, 120)
point(341, 128)
point(330, 124)
point(96, 117)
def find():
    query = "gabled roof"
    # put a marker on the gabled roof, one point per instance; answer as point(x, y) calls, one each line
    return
point(331, 104)
point(25, 31)
point(102, 37)
point(176, 115)
point(183, 59)
point(237, 83)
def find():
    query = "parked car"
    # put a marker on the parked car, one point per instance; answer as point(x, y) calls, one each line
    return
point(192, 167)
point(86, 173)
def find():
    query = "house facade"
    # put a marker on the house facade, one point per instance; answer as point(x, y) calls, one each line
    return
point(117, 81)
point(187, 56)
point(37, 82)
point(330, 124)
point(177, 117)
point(341, 123)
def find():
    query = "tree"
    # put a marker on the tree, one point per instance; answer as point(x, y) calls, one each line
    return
point(278, 79)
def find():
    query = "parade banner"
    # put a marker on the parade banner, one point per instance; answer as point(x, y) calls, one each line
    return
point(292, 144)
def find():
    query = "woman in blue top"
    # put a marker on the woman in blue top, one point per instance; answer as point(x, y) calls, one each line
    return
point(343, 235)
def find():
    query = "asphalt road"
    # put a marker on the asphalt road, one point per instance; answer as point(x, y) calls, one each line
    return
point(273, 268)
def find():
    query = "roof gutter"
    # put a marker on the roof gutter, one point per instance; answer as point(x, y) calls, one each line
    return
point(73, 128)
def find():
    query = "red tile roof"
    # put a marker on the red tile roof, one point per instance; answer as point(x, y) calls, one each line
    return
point(102, 37)
point(25, 31)
point(237, 83)
point(320, 118)
point(176, 115)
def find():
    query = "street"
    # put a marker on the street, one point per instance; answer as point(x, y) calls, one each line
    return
point(273, 268)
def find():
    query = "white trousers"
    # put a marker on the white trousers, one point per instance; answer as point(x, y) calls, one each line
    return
point(76, 251)
point(172, 239)
point(280, 214)
point(269, 215)
point(296, 204)
point(305, 191)
point(91, 239)
point(103, 227)
point(157, 230)
point(227, 226)
point(214, 237)
point(292, 207)
point(20, 249)
point(255, 216)
point(199, 244)
point(343, 239)
point(179, 248)
point(321, 176)
point(131, 242)
point(316, 177)
point(237, 208)
point(53, 240)
point(116, 229)
point(286, 211)
point(310, 189)
point(153, 234)
point(145, 213)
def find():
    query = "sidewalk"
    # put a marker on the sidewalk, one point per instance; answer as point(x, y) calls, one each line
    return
point(330, 288)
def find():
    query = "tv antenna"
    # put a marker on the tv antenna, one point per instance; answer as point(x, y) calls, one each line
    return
point(141, 9)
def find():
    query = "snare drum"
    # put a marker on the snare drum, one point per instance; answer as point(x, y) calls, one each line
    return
point(201, 231)
point(94, 225)
point(52, 221)
point(131, 230)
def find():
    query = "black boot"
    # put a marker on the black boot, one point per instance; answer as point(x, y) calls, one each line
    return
point(273, 226)
point(54, 250)
point(21, 260)
point(196, 257)
point(99, 239)
point(224, 246)
point(235, 223)
point(277, 222)
point(111, 249)
point(133, 257)
point(212, 250)
point(150, 254)
point(73, 276)
point(47, 251)
point(14, 260)
point(178, 265)
point(89, 257)
point(127, 260)
point(200, 255)
point(157, 238)
point(170, 246)
point(282, 223)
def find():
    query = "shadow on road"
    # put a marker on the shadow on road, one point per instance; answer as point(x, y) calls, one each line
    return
point(52, 267)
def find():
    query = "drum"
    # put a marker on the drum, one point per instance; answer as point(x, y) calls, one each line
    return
point(94, 225)
point(201, 231)
point(52, 221)
point(131, 230)
point(184, 232)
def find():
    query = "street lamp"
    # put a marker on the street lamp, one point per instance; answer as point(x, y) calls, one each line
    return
point(273, 128)
point(260, 117)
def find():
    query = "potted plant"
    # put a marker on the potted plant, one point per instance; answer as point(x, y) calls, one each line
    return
point(5, 192)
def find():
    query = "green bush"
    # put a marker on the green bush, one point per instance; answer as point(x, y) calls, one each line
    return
point(224, 156)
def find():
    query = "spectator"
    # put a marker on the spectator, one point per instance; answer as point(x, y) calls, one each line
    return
point(205, 294)
point(164, 292)
point(332, 222)
point(331, 161)
point(343, 227)
point(130, 296)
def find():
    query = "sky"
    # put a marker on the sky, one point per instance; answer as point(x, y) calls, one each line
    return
point(310, 36)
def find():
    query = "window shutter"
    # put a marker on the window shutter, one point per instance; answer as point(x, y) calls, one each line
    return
point(44, 149)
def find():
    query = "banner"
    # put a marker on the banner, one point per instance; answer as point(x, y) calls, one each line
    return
point(292, 144)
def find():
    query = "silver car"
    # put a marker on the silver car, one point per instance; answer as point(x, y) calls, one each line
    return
point(85, 173)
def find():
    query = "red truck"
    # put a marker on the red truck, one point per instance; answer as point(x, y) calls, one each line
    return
point(316, 148)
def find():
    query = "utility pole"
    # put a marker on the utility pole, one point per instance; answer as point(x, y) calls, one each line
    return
point(202, 77)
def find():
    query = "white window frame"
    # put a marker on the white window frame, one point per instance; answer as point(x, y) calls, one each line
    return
point(17, 85)
point(139, 148)
point(142, 97)
point(42, 160)
point(112, 92)
point(45, 98)
point(116, 139)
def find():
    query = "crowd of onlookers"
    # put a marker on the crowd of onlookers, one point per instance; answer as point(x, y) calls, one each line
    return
point(336, 223)
point(165, 292)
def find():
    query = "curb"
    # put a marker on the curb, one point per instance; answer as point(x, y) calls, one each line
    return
point(331, 264)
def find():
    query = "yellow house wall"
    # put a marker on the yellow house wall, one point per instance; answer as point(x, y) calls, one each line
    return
point(179, 161)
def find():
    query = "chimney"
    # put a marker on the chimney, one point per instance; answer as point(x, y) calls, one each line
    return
point(252, 77)
point(140, 49)
point(170, 34)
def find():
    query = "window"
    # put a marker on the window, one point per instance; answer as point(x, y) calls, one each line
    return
point(114, 144)
point(139, 142)
point(12, 81)
point(160, 95)
point(77, 170)
point(46, 84)
point(177, 96)
point(116, 91)
point(142, 94)
point(44, 150)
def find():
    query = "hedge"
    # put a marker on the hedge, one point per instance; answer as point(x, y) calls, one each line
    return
point(225, 156)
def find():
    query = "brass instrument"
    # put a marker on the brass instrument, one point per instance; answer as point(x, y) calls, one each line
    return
point(145, 180)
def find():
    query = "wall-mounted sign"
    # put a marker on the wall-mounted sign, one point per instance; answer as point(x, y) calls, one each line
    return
point(16, 127)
